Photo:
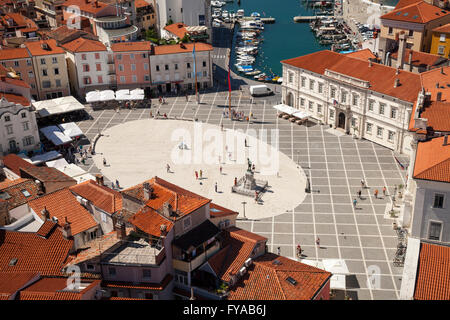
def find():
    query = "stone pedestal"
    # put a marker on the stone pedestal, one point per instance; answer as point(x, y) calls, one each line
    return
point(249, 181)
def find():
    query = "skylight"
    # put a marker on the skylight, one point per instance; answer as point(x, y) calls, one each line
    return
point(406, 14)
point(291, 281)
point(276, 262)
point(415, 17)
point(398, 13)
point(13, 262)
point(25, 193)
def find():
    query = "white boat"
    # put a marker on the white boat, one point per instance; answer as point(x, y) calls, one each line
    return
point(255, 14)
point(224, 14)
point(240, 13)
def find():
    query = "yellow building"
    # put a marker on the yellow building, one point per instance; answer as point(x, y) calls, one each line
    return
point(417, 21)
point(440, 43)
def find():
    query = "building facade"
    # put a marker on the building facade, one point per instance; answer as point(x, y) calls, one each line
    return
point(440, 43)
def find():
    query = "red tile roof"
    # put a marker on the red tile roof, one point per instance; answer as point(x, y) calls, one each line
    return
point(15, 189)
point(404, 3)
point(102, 197)
point(180, 199)
point(47, 174)
point(92, 6)
point(15, 98)
point(177, 29)
point(46, 229)
point(380, 77)
point(13, 54)
point(64, 34)
point(17, 82)
point(182, 48)
point(131, 46)
point(84, 45)
point(431, 79)
point(217, 211)
point(238, 246)
point(33, 252)
point(438, 115)
point(35, 47)
point(443, 29)
point(150, 221)
point(416, 12)
point(142, 3)
point(433, 274)
point(433, 160)
point(420, 58)
point(143, 285)
point(12, 282)
point(265, 280)
point(13, 162)
point(364, 54)
point(62, 204)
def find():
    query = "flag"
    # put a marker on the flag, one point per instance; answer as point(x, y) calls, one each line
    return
point(401, 165)
point(335, 102)
point(193, 56)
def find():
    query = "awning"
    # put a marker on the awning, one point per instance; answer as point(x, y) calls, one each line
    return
point(337, 282)
point(125, 94)
point(40, 158)
point(285, 108)
point(197, 236)
point(55, 135)
point(301, 114)
point(57, 163)
point(57, 106)
point(70, 129)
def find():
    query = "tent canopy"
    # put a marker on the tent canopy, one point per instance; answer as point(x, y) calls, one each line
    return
point(51, 107)
point(57, 163)
point(335, 266)
point(292, 111)
point(55, 135)
point(70, 129)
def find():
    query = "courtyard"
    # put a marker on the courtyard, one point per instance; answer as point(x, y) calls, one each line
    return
point(334, 163)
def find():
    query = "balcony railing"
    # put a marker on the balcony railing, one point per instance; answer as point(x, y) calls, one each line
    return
point(192, 264)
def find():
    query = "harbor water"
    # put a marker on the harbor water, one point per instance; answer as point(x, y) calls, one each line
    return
point(284, 39)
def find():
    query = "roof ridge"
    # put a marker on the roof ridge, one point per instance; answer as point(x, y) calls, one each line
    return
point(432, 167)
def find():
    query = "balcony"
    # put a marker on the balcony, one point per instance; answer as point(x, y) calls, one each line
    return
point(188, 263)
point(111, 69)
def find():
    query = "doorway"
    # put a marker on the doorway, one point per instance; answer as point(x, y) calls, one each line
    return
point(341, 121)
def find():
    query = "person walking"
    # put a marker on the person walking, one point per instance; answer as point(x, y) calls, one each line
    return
point(196, 175)
point(215, 187)
point(279, 251)
point(318, 241)
point(359, 194)
point(235, 181)
point(375, 193)
point(354, 203)
point(363, 184)
point(201, 174)
point(187, 99)
point(299, 250)
point(384, 191)
point(220, 169)
point(168, 168)
point(104, 162)
point(245, 141)
point(117, 184)
point(256, 196)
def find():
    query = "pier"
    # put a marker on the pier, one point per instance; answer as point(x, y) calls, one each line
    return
point(263, 20)
point(308, 18)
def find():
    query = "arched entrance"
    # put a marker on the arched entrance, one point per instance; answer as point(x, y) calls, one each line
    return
point(290, 99)
point(341, 120)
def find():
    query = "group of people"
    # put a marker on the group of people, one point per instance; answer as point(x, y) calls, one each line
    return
point(375, 192)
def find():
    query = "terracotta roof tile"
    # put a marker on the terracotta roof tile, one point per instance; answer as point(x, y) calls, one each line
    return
point(84, 45)
point(364, 54)
point(46, 229)
point(142, 3)
point(33, 253)
point(182, 48)
point(13, 162)
point(380, 77)
point(14, 193)
point(13, 54)
point(131, 46)
point(420, 58)
point(102, 197)
point(265, 280)
point(443, 29)
point(15, 98)
point(35, 47)
point(12, 282)
point(143, 285)
point(216, 211)
point(62, 204)
point(439, 76)
point(177, 29)
point(149, 221)
point(90, 7)
point(47, 174)
point(433, 161)
point(416, 12)
point(433, 274)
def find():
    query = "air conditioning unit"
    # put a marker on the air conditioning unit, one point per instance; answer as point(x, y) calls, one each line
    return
point(248, 262)
point(84, 202)
point(79, 199)
point(242, 271)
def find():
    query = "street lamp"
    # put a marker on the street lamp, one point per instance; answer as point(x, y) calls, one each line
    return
point(243, 204)
point(308, 184)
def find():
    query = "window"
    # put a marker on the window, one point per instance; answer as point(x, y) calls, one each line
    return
point(310, 105)
point(9, 129)
point(343, 96)
point(320, 87)
point(333, 92)
point(134, 78)
point(390, 30)
point(187, 222)
point(434, 232)
point(157, 68)
point(166, 67)
point(87, 80)
point(28, 141)
point(93, 235)
point(145, 66)
point(98, 67)
point(379, 131)
point(369, 128)
point(371, 104)
point(441, 49)
point(23, 115)
point(112, 271)
point(353, 123)
point(58, 82)
point(7, 118)
point(30, 74)
point(204, 63)
point(16, 63)
point(189, 75)
point(56, 71)
point(26, 126)
point(144, 55)
point(119, 57)
point(355, 99)
point(146, 273)
point(54, 60)
point(302, 102)
point(382, 107)
point(319, 108)
point(393, 112)
point(97, 55)
point(132, 56)
point(442, 37)
point(44, 72)
point(46, 84)
point(120, 67)
point(311, 84)
point(331, 114)
point(438, 201)
point(25, 193)
point(291, 77)
point(133, 67)
point(99, 79)
point(85, 67)
point(188, 65)
point(303, 81)
point(83, 56)
point(176, 66)
point(122, 78)
point(205, 74)
point(391, 135)
point(29, 62)
point(146, 78)
point(42, 61)
point(411, 33)
point(103, 217)
point(89, 266)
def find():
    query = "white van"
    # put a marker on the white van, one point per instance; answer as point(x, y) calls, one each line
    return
point(260, 90)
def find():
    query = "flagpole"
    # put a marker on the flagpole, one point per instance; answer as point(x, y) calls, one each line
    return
point(195, 77)
point(229, 93)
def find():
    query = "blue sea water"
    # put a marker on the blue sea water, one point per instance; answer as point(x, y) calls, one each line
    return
point(284, 39)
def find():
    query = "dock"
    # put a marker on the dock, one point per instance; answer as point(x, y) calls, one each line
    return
point(308, 18)
point(263, 20)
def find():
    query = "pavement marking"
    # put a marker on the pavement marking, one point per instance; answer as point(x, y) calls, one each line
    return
point(98, 118)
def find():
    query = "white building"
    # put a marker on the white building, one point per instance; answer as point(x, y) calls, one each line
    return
point(19, 128)
point(189, 12)
point(366, 99)
point(90, 65)
point(172, 67)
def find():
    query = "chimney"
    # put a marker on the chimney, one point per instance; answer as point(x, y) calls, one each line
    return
point(437, 85)
point(442, 70)
point(167, 210)
point(163, 229)
point(96, 4)
point(445, 140)
point(148, 191)
point(370, 63)
point(397, 71)
point(439, 96)
point(396, 83)
point(45, 213)
point(121, 230)
point(401, 51)
point(67, 229)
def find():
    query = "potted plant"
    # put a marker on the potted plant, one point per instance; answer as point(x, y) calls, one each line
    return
point(400, 188)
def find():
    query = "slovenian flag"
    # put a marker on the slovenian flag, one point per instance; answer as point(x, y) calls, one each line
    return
point(401, 165)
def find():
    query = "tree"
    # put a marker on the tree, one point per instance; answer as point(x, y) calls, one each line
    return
point(186, 38)
point(169, 22)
